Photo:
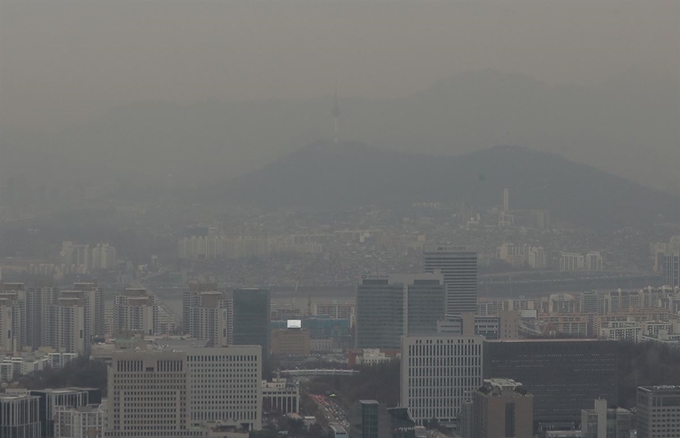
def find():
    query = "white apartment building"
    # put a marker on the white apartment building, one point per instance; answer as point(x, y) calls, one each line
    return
point(437, 373)
point(135, 311)
point(621, 330)
point(69, 329)
point(15, 365)
point(93, 294)
point(570, 261)
point(211, 318)
point(12, 322)
point(593, 261)
point(79, 422)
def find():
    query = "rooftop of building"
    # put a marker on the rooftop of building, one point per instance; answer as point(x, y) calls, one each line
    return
point(537, 340)
point(660, 388)
point(16, 396)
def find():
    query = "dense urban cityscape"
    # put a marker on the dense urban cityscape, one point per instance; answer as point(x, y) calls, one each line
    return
point(339, 219)
point(225, 335)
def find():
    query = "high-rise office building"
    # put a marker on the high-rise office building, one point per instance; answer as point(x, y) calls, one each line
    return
point(251, 318)
point(38, 303)
point(211, 318)
point(389, 306)
point(19, 416)
point(437, 372)
point(369, 419)
point(49, 399)
point(425, 300)
point(191, 298)
point(135, 311)
point(148, 395)
point(458, 264)
point(225, 385)
point(501, 408)
point(564, 375)
point(69, 326)
point(380, 313)
point(93, 294)
point(184, 390)
point(79, 422)
point(658, 411)
point(604, 422)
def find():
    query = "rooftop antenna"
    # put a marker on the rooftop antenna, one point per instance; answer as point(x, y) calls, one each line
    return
point(336, 116)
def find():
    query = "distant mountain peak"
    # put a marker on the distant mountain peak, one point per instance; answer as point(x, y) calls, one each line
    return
point(351, 174)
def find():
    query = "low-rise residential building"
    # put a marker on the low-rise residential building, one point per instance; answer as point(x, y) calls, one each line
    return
point(280, 396)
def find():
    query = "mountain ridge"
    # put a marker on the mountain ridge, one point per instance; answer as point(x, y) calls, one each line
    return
point(353, 174)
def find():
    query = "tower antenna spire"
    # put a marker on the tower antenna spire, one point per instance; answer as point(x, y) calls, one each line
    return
point(336, 116)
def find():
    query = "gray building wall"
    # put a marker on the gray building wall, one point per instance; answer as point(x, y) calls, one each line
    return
point(251, 318)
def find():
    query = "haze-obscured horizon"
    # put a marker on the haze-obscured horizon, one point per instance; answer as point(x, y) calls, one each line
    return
point(170, 82)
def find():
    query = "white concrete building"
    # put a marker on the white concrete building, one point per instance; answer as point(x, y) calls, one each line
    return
point(226, 385)
point(135, 311)
point(211, 318)
point(280, 396)
point(148, 394)
point(570, 261)
point(593, 261)
point(437, 372)
point(79, 422)
point(69, 329)
point(12, 322)
point(171, 393)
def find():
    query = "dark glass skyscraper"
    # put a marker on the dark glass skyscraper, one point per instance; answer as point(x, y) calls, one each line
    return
point(251, 318)
point(564, 375)
point(458, 263)
point(389, 306)
point(380, 313)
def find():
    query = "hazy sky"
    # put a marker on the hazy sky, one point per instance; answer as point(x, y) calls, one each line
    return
point(61, 60)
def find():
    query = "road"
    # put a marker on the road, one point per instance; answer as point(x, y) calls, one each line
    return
point(332, 410)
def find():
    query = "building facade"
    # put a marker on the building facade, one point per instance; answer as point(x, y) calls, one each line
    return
point(135, 311)
point(69, 326)
point(658, 411)
point(291, 342)
point(604, 422)
point(437, 372)
point(19, 416)
point(50, 399)
point(501, 408)
point(369, 419)
point(211, 318)
point(225, 385)
point(280, 396)
point(183, 391)
point(564, 375)
point(458, 264)
point(80, 422)
point(380, 313)
point(389, 306)
point(251, 318)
